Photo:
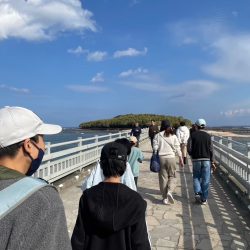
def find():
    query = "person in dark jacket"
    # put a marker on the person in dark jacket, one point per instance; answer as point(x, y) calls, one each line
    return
point(111, 216)
point(152, 131)
point(136, 132)
point(200, 148)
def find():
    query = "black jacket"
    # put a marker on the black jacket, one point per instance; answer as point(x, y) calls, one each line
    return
point(153, 130)
point(111, 216)
point(200, 146)
point(135, 131)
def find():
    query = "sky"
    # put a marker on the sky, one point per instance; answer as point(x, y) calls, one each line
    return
point(72, 61)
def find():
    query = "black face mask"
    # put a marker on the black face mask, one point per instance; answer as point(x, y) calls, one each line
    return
point(35, 163)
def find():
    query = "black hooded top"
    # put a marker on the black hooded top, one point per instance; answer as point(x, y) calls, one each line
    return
point(111, 216)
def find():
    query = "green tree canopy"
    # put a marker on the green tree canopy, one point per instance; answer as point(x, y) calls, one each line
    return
point(127, 121)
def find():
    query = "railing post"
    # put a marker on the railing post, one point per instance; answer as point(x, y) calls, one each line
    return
point(229, 142)
point(120, 134)
point(248, 170)
point(220, 142)
point(80, 141)
point(110, 137)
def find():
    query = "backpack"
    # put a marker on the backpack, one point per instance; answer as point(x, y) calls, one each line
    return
point(15, 194)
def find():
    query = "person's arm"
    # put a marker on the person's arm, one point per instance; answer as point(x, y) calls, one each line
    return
point(78, 236)
point(156, 143)
point(141, 157)
point(178, 150)
point(128, 178)
point(189, 146)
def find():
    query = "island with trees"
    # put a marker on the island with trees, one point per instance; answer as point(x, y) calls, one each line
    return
point(128, 121)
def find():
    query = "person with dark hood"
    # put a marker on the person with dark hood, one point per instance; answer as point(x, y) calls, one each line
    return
point(167, 145)
point(111, 216)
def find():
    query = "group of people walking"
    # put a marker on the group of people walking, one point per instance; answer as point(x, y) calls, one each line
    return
point(111, 212)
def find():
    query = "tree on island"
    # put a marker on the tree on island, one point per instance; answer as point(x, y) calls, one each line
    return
point(128, 121)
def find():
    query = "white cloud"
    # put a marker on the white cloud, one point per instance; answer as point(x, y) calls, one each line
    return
point(185, 91)
point(14, 89)
point(96, 56)
point(98, 77)
point(42, 19)
point(236, 112)
point(233, 58)
point(87, 88)
point(133, 72)
point(77, 51)
point(129, 53)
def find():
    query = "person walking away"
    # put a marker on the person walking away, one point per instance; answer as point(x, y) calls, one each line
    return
point(152, 131)
point(111, 215)
point(135, 158)
point(31, 211)
point(200, 148)
point(136, 131)
point(167, 145)
point(96, 176)
point(183, 134)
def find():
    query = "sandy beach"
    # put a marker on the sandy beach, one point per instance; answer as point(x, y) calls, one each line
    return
point(225, 133)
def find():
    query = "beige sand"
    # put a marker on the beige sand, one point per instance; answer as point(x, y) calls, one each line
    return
point(225, 133)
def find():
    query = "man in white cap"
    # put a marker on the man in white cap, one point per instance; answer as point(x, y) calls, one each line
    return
point(200, 148)
point(31, 211)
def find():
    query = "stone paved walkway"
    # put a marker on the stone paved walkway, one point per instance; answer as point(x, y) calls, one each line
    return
point(222, 224)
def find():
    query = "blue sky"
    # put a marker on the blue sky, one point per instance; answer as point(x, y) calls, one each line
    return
point(72, 61)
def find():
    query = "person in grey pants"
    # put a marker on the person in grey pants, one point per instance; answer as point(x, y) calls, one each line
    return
point(167, 145)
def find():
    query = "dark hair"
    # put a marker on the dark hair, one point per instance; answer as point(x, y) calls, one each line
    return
point(12, 150)
point(125, 142)
point(113, 167)
point(182, 123)
point(164, 125)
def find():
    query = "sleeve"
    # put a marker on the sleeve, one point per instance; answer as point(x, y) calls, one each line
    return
point(178, 134)
point(189, 146)
point(128, 178)
point(95, 177)
point(177, 146)
point(156, 143)
point(141, 156)
point(139, 235)
point(211, 149)
point(78, 236)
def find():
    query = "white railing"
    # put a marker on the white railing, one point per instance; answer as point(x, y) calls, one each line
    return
point(62, 159)
point(235, 163)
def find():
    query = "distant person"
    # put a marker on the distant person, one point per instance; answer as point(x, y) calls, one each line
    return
point(200, 148)
point(183, 134)
point(152, 131)
point(167, 145)
point(111, 216)
point(135, 158)
point(136, 131)
point(193, 129)
point(31, 211)
point(96, 176)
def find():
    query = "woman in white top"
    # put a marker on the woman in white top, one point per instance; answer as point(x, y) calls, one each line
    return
point(167, 146)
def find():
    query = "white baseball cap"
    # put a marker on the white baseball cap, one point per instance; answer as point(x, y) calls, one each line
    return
point(201, 122)
point(18, 124)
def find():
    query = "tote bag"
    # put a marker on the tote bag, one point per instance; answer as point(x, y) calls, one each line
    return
point(155, 163)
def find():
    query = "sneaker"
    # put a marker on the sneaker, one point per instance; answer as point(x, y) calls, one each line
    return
point(197, 197)
point(204, 202)
point(170, 198)
point(165, 201)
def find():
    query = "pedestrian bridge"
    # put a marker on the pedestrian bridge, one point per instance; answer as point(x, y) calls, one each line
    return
point(224, 223)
